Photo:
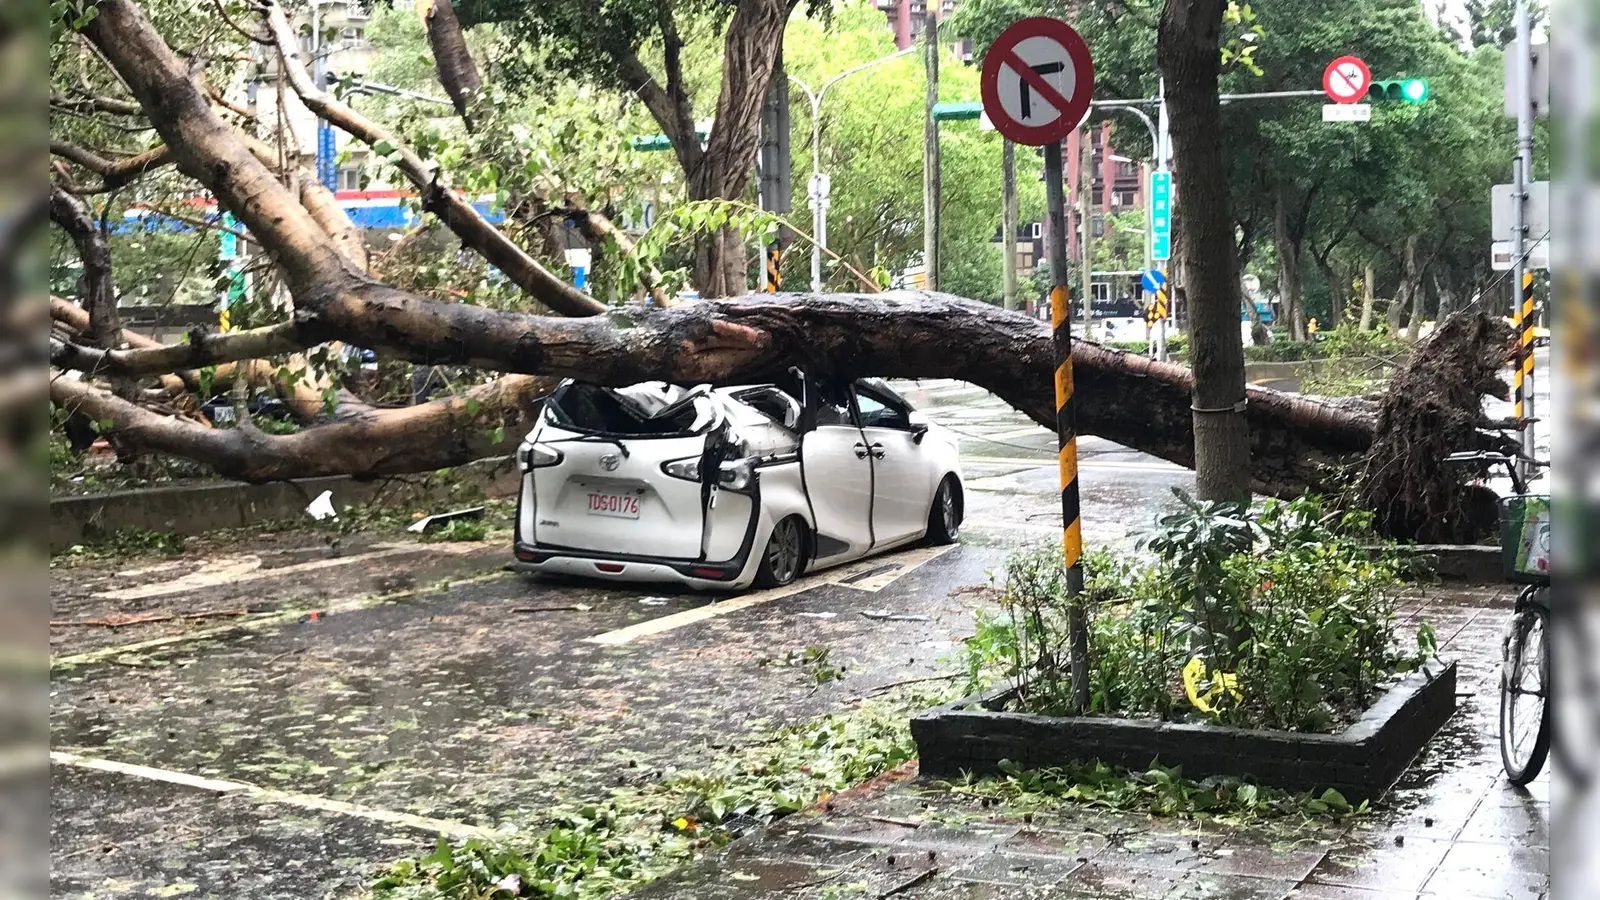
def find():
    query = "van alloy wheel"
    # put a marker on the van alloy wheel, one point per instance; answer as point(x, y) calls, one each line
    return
point(784, 551)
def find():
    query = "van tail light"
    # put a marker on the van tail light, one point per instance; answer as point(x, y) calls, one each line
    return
point(706, 572)
point(610, 568)
point(687, 469)
point(537, 456)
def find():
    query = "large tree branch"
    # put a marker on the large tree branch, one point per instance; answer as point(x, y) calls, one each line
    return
point(453, 61)
point(113, 174)
point(74, 217)
point(673, 114)
point(203, 348)
point(453, 209)
point(485, 421)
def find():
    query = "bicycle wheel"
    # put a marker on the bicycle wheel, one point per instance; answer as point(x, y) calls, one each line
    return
point(1524, 679)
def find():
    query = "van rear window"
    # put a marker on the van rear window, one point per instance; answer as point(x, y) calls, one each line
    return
point(647, 410)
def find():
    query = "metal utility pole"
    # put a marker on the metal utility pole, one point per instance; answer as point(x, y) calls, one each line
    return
point(930, 155)
point(1086, 223)
point(1008, 219)
point(1522, 165)
point(817, 187)
point(1163, 151)
point(773, 164)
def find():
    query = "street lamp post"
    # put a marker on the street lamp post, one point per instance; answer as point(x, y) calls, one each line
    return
point(817, 187)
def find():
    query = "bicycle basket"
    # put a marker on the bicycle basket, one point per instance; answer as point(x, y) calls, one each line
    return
point(1525, 538)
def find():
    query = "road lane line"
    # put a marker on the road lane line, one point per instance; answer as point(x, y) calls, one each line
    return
point(248, 568)
point(261, 794)
point(904, 563)
point(262, 622)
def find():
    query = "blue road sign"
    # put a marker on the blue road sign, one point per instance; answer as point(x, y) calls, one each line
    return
point(326, 172)
point(1153, 280)
point(1161, 215)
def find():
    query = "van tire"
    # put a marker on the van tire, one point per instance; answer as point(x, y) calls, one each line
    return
point(944, 516)
point(784, 557)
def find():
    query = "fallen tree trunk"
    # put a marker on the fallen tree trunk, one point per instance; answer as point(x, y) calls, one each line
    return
point(1124, 397)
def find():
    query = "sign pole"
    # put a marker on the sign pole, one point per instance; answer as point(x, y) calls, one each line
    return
point(1036, 82)
point(1066, 427)
point(1522, 280)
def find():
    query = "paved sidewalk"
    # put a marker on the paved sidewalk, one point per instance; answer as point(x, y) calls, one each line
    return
point(1453, 828)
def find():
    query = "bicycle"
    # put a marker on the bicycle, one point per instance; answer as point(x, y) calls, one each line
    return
point(1525, 657)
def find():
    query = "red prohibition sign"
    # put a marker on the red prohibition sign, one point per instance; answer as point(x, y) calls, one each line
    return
point(1346, 80)
point(1069, 53)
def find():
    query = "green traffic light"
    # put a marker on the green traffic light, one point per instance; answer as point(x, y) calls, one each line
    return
point(1408, 90)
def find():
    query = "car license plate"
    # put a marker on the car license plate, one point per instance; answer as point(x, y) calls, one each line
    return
point(621, 506)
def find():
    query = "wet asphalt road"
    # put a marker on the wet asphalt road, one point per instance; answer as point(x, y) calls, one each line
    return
point(371, 697)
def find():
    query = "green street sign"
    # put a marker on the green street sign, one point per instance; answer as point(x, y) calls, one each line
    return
point(955, 112)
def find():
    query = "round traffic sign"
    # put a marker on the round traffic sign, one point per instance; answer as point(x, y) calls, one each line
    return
point(1346, 80)
point(1037, 78)
point(1153, 280)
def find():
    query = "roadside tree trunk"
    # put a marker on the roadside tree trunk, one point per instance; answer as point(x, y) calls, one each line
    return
point(1408, 285)
point(1188, 53)
point(1289, 232)
point(1367, 299)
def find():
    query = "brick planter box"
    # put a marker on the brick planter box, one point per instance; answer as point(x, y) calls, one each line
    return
point(970, 735)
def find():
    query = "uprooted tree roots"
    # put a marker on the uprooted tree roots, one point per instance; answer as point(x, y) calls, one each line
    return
point(1434, 407)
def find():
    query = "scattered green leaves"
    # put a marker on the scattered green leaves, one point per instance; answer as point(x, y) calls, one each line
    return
point(1158, 790)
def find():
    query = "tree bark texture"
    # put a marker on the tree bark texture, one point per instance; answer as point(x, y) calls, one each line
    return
point(1367, 299)
point(1188, 53)
point(722, 172)
point(452, 60)
point(1289, 236)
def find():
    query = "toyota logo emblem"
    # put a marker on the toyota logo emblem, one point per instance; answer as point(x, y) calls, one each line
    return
point(610, 461)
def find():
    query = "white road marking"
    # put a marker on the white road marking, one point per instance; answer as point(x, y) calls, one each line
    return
point(270, 795)
point(230, 570)
point(903, 563)
point(261, 622)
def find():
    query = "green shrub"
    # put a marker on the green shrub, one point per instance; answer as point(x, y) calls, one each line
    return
point(1279, 618)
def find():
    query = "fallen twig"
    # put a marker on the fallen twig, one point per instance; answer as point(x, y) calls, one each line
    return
point(571, 607)
point(890, 820)
point(123, 622)
point(909, 883)
point(886, 688)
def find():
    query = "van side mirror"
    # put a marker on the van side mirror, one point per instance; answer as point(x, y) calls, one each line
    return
point(919, 425)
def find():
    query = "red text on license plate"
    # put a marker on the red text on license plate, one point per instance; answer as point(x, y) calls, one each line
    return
point(623, 505)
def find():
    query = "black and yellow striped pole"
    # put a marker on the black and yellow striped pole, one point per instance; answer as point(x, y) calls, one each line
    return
point(774, 257)
point(1522, 378)
point(1066, 426)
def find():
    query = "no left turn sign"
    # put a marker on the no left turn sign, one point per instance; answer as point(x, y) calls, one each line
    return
point(1037, 79)
point(1346, 80)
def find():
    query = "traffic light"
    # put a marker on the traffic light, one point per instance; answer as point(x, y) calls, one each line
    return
point(1405, 90)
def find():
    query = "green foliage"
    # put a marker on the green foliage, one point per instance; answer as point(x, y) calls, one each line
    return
point(126, 542)
point(1159, 791)
point(641, 832)
point(814, 660)
point(461, 530)
point(1284, 614)
point(871, 147)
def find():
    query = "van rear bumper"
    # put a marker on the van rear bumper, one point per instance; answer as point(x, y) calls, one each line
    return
point(623, 567)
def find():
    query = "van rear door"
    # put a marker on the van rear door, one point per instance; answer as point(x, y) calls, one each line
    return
point(628, 482)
